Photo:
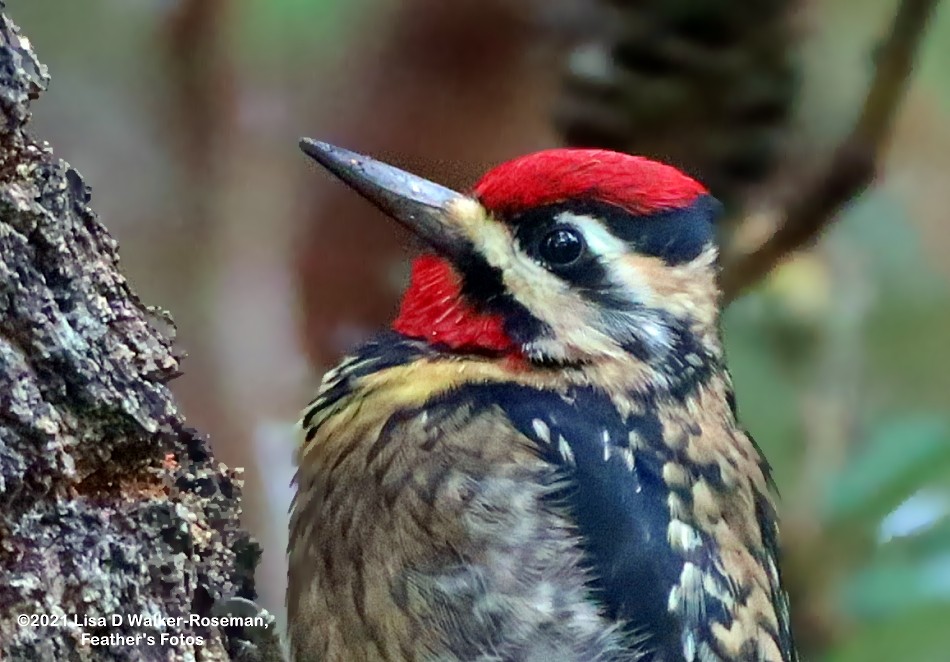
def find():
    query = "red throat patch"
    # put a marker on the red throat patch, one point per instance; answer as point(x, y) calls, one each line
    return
point(433, 309)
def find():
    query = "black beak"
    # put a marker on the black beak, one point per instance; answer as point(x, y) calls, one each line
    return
point(418, 204)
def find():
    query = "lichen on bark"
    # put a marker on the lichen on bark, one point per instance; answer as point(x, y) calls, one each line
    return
point(109, 503)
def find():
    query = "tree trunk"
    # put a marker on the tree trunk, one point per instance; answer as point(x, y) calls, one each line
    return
point(110, 507)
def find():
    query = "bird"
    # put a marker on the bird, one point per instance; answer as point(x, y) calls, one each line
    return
point(540, 460)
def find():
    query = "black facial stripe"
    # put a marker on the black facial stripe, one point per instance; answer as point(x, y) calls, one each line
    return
point(675, 235)
point(484, 288)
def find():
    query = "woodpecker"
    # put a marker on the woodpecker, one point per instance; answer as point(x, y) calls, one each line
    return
point(541, 459)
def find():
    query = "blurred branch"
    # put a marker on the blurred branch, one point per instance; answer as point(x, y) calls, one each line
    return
point(109, 504)
point(708, 87)
point(854, 164)
point(200, 100)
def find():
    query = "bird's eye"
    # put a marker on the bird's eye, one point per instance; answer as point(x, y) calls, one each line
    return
point(561, 246)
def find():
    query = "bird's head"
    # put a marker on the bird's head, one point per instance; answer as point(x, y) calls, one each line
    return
point(564, 256)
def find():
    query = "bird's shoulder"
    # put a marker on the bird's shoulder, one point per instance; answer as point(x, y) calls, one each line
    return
point(426, 502)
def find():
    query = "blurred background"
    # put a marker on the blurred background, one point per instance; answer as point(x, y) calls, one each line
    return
point(183, 116)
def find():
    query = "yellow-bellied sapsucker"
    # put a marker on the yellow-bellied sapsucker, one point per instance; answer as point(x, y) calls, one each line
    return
point(541, 460)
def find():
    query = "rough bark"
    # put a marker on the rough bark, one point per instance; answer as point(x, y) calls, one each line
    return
point(109, 503)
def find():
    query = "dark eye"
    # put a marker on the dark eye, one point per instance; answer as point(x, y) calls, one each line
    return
point(561, 246)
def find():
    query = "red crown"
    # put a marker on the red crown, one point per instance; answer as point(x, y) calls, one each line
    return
point(634, 183)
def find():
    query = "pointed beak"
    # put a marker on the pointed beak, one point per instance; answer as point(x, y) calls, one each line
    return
point(418, 204)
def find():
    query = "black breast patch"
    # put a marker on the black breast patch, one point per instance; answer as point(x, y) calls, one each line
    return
point(616, 498)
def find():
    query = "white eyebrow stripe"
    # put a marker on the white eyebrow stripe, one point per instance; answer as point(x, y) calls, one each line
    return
point(612, 250)
point(600, 240)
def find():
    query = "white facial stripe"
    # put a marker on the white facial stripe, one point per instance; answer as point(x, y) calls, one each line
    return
point(633, 284)
point(604, 243)
point(600, 240)
point(625, 277)
point(578, 328)
point(548, 297)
